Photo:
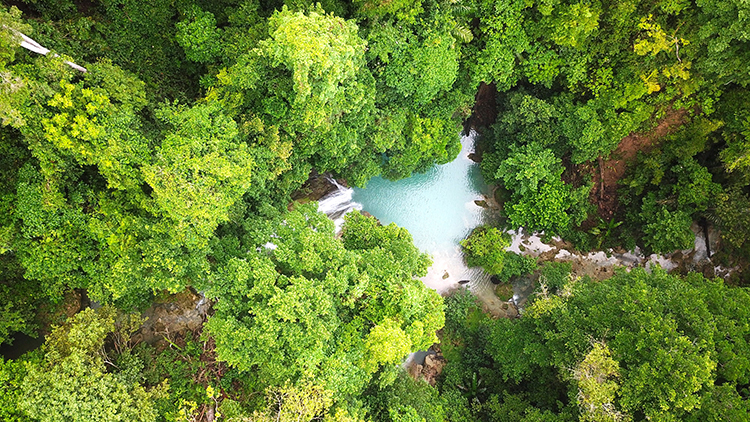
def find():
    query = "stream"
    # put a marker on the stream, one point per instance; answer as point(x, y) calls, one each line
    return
point(439, 208)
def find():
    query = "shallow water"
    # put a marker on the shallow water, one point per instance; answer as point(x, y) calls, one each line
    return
point(439, 210)
point(437, 207)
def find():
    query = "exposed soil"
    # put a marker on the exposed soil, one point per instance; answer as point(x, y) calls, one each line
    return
point(611, 170)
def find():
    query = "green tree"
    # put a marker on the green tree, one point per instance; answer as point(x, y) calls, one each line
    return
point(668, 231)
point(406, 399)
point(200, 171)
point(308, 78)
point(308, 306)
point(596, 377)
point(12, 374)
point(668, 189)
point(72, 384)
point(198, 35)
point(485, 248)
point(527, 167)
point(734, 219)
point(667, 345)
point(419, 92)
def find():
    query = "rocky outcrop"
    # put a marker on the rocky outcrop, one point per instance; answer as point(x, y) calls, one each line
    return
point(429, 369)
point(500, 309)
point(316, 187)
point(433, 367)
point(50, 315)
point(482, 203)
point(171, 316)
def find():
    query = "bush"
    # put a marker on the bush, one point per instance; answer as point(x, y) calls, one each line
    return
point(485, 248)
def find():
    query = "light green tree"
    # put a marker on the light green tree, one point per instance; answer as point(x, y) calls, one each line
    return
point(73, 382)
point(301, 305)
point(200, 171)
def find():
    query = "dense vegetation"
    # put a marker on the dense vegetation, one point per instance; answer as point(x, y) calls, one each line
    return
point(576, 78)
point(169, 164)
point(637, 346)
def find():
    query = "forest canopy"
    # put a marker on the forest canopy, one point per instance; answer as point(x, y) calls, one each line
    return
point(156, 147)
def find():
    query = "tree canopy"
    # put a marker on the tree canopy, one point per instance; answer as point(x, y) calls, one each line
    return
point(169, 164)
point(637, 346)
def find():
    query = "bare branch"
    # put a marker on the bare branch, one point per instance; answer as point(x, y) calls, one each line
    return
point(677, 49)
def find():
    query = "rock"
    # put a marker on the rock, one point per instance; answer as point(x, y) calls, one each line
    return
point(73, 302)
point(482, 203)
point(619, 250)
point(433, 367)
point(49, 315)
point(475, 157)
point(714, 239)
point(445, 275)
point(504, 291)
point(316, 187)
point(175, 314)
point(464, 281)
point(707, 268)
point(495, 279)
point(415, 370)
point(511, 311)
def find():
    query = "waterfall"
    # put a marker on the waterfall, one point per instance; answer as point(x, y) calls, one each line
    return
point(338, 203)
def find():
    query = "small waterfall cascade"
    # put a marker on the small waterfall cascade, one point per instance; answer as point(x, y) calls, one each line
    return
point(338, 203)
point(449, 268)
point(441, 206)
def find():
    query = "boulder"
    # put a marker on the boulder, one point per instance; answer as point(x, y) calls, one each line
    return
point(415, 370)
point(482, 203)
point(173, 315)
point(433, 367)
point(316, 187)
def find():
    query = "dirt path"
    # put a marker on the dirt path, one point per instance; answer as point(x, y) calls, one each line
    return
point(611, 170)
